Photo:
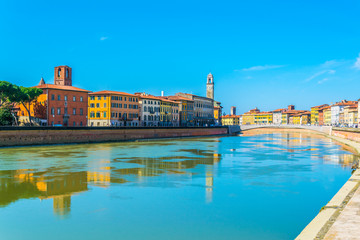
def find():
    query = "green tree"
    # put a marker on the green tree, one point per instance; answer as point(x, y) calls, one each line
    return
point(26, 96)
point(6, 117)
point(8, 92)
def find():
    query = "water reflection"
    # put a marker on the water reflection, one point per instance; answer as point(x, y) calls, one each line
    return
point(60, 183)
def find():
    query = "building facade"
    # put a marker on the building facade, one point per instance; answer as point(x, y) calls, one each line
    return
point(149, 110)
point(61, 104)
point(229, 120)
point(337, 109)
point(186, 110)
point(315, 114)
point(112, 108)
point(203, 109)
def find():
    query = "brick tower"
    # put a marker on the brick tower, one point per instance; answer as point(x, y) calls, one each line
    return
point(62, 76)
point(210, 86)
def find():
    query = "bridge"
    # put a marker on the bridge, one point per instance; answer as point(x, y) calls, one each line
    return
point(323, 129)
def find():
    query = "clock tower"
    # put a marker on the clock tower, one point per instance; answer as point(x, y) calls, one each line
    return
point(210, 86)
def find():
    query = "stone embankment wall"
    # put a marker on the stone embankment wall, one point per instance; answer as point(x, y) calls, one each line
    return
point(17, 136)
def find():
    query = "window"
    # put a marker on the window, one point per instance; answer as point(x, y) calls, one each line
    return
point(104, 114)
point(65, 110)
point(104, 105)
point(99, 97)
point(59, 97)
point(125, 105)
point(81, 111)
point(74, 111)
point(67, 73)
point(65, 98)
point(104, 97)
point(120, 98)
point(52, 123)
point(97, 114)
point(81, 124)
point(98, 105)
point(124, 98)
point(59, 71)
point(52, 97)
point(144, 101)
point(58, 111)
point(91, 98)
point(92, 105)
point(92, 114)
point(52, 111)
point(74, 123)
point(145, 110)
point(74, 99)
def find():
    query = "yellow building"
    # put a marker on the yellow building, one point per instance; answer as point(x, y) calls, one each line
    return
point(327, 115)
point(111, 108)
point(263, 118)
point(229, 120)
point(297, 119)
point(315, 114)
point(248, 118)
point(165, 112)
point(350, 115)
point(305, 118)
point(186, 110)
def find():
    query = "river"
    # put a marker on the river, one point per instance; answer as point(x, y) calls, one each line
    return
point(263, 186)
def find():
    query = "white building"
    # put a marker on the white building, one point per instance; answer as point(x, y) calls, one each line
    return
point(149, 110)
point(337, 109)
point(203, 109)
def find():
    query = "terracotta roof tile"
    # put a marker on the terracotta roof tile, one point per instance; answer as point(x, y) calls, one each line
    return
point(61, 87)
point(112, 92)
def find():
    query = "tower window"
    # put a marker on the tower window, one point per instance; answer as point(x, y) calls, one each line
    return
point(59, 71)
point(67, 73)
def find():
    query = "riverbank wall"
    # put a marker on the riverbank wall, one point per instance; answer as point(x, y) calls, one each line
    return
point(340, 217)
point(22, 136)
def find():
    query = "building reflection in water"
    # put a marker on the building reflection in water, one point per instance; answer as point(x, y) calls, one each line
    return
point(60, 184)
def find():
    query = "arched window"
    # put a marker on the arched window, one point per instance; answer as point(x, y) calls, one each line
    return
point(67, 73)
point(59, 71)
point(145, 109)
point(144, 117)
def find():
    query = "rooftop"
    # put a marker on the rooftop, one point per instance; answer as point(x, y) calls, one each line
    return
point(61, 87)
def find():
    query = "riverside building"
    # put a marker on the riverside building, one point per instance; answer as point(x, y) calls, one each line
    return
point(61, 104)
point(203, 109)
point(112, 108)
point(149, 110)
point(337, 109)
point(186, 110)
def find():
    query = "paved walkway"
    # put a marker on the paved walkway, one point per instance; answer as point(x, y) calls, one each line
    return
point(347, 224)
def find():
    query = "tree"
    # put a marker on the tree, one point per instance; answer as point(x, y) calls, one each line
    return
point(8, 92)
point(40, 110)
point(26, 96)
point(6, 117)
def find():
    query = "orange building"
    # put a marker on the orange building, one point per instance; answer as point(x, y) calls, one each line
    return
point(61, 104)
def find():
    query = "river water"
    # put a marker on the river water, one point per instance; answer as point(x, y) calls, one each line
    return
point(265, 186)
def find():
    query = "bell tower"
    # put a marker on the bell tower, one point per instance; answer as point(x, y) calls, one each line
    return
point(62, 76)
point(210, 86)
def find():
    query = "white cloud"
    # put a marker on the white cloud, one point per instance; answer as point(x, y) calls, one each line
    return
point(265, 67)
point(357, 63)
point(103, 38)
point(323, 80)
point(315, 75)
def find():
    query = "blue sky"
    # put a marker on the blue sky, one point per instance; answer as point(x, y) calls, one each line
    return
point(264, 54)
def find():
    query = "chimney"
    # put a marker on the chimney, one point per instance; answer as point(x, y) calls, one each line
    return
point(291, 107)
point(162, 93)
